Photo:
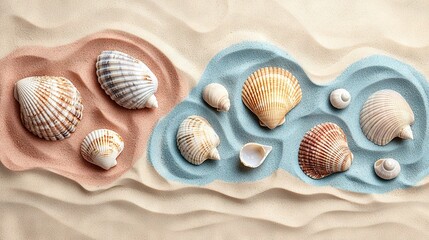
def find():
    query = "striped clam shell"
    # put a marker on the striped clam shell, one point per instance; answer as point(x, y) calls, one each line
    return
point(128, 81)
point(197, 140)
point(324, 151)
point(385, 116)
point(51, 107)
point(101, 147)
point(270, 93)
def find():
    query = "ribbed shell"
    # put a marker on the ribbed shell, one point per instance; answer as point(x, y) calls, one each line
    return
point(51, 107)
point(270, 93)
point(101, 147)
point(386, 115)
point(324, 151)
point(128, 81)
point(217, 96)
point(387, 168)
point(197, 140)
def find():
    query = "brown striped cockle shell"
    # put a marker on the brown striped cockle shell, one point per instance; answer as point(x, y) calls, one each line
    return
point(270, 93)
point(51, 107)
point(101, 147)
point(197, 140)
point(324, 151)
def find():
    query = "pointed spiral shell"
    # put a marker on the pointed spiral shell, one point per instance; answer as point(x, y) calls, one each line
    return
point(217, 96)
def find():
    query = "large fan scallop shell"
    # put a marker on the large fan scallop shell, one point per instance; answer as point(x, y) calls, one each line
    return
point(51, 107)
point(128, 81)
point(197, 140)
point(324, 151)
point(385, 116)
point(101, 147)
point(270, 93)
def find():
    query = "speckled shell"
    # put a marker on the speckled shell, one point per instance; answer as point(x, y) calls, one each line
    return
point(101, 147)
point(51, 107)
point(128, 81)
point(324, 151)
point(217, 96)
point(385, 116)
point(387, 168)
point(254, 154)
point(340, 98)
point(270, 93)
point(197, 140)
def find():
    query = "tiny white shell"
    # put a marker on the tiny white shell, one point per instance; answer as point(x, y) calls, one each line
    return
point(101, 147)
point(387, 168)
point(253, 154)
point(217, 96)
point(340, 98)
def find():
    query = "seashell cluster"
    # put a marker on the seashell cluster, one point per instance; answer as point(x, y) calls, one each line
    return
point(51, 107)
point(387, 168)
point(324, 151)
point(217, 96)
point(128, 81)
point(340, 98)
point(101, 147)
point(197, 140)
point(270, 93)
point(253, 154)
point(385, 116)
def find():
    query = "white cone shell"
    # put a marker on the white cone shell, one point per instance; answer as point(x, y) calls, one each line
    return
point(197, 140)
point(387, 168)
point(254, 154)
point(385, 116)
point(51, 107)
point(217, 96)
point(128, 81)
point(101, 147)
point(340, 98)
point(324, 151)
point(270, 93)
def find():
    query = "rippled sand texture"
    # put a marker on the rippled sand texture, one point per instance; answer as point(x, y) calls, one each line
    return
point(324, 37)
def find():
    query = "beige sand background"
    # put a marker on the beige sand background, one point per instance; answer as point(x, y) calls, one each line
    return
point(324, 36)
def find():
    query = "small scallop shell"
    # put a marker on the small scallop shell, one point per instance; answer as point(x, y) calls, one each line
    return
point(253, 154)
point(101, 147)
point(324, 151)
point(270, 93)
point(217, 96)
point(386, 115)
point(197, 140)
point(387, 168)
point(128, 81)
point(51, 107)
point(340, 98)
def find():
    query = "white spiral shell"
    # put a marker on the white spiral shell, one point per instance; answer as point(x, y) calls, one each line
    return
point(217, 96)
point(197, 140)
point(51, 107)
point(128, 81)
point(385, 116)
point(101, 147)
point(340, 98)
point(387, 168)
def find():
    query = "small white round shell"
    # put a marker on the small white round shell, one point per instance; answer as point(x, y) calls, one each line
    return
point(253, 154)
point(387, 168)
point(340, 98)
point(217, 96)
point(101, 147)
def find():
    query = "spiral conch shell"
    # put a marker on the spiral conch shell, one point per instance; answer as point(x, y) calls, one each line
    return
point(197, 140)
point(324, 151)
point(217, 96)
point(387, 168)
point(340, 98)
point(128, 81)
point(270, 93)
point(386, 115)
point(51, 107)
point(101, 147)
